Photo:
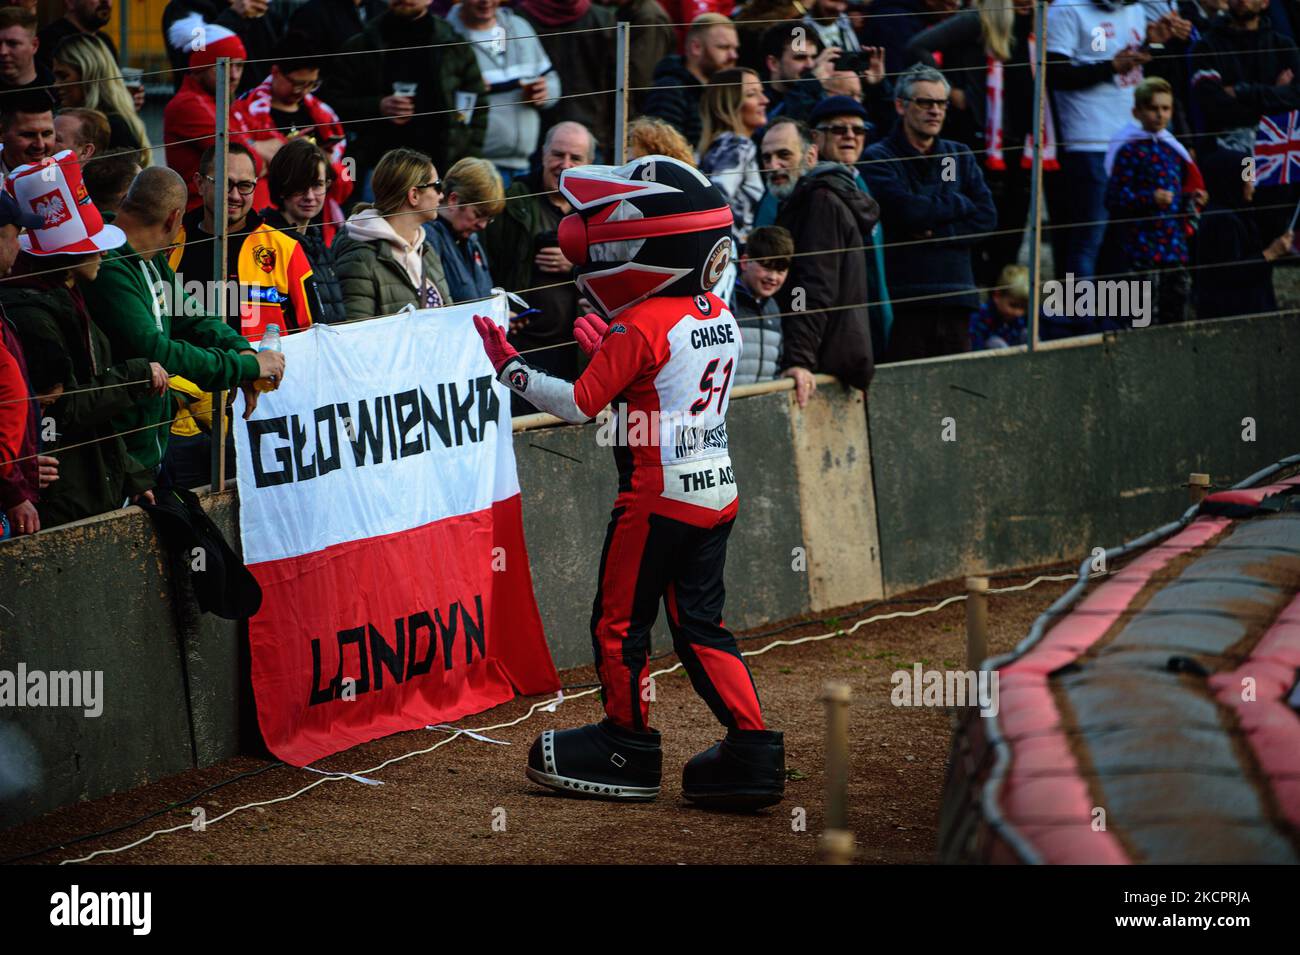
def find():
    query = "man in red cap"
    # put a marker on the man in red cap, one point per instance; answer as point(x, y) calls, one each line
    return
point(190, 119)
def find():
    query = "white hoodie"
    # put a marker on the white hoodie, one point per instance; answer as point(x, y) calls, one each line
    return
point(369, 226)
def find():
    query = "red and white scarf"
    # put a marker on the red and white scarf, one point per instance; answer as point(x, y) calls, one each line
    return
point(995, 159)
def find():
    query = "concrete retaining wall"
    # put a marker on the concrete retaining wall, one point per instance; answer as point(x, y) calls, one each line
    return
point(1078, 446)
point(1054, 453)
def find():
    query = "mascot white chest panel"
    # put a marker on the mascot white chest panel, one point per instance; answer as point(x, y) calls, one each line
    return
point(694, 388)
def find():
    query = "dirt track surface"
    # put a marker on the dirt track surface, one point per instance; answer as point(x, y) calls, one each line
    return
point(440, 807)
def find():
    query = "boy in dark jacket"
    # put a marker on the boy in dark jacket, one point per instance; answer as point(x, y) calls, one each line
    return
point(928, 188)
point(68, 355)
point(764, 265)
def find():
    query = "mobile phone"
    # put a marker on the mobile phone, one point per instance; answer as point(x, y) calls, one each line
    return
point(546, 240)
point(857, 62)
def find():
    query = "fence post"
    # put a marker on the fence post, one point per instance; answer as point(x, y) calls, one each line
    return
point(1036, 176)
point(1198, 486)
point(977, 621)
point(837, 842)
point(622, 48)
point(220, 188)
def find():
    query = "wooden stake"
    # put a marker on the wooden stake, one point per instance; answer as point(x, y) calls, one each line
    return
point(977, 621)
point(837, 844)
point(1198, 487)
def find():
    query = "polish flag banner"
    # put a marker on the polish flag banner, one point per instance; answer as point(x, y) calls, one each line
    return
point(379, 510)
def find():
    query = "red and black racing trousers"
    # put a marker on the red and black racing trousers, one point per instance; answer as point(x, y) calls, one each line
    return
point(646, 557)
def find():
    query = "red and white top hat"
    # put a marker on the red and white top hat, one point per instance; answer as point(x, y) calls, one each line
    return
point(53, 190)
point(204, 42)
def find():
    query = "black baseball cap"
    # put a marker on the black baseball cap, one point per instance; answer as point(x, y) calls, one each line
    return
point(11, 213)
point(833, 106)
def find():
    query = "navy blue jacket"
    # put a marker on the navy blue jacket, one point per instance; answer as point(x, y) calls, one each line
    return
point(915, 198)
point(465, 263)
point(760, 335)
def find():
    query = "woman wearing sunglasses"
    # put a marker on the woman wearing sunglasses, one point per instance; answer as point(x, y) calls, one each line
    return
point(383, 258)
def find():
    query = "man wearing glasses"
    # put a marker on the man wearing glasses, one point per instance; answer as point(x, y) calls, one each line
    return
point(840, 131)
point(825, 324)
point(275, 283)
point(928, 189)
point(284, 107)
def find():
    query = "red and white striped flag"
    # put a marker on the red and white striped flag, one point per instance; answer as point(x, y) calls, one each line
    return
point(379, 510)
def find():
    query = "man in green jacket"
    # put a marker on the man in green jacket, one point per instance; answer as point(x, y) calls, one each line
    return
point(137, 303)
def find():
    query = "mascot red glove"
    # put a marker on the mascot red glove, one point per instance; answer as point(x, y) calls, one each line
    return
point(499, 351)
point(590, 331)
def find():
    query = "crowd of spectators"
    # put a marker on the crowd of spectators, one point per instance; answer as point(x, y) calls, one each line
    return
point(878, 158)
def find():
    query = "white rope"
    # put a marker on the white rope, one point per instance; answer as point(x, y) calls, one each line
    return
point(550, 706)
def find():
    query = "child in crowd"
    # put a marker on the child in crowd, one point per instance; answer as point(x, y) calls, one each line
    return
point(1234, 263)
point(1000, 322)
point(764, 265)
point(1153, 195)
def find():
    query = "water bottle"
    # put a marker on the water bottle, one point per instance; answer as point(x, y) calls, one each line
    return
point(270, 342)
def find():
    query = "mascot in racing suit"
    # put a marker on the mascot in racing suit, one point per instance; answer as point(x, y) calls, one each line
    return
point(649, 239)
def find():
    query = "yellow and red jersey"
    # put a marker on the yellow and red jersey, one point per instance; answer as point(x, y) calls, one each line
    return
point(276, 282)
point(275, 278)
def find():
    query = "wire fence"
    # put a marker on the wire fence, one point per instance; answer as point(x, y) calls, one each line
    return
point(799, 313)
point(318, 58)
point(1035, 229)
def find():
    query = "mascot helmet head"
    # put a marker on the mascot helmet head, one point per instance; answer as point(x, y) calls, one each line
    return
point(654, 226)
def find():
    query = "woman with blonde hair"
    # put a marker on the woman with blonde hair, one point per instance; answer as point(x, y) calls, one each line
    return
point(88, 78)
point(732, 109)
point(475, 196)
point(383, 258)
point(652, 136)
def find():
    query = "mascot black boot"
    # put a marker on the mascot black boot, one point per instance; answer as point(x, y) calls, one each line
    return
point(746, 770)
point(650, 241)
point(602, 760)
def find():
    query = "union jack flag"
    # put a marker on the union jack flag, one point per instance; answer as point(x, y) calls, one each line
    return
point(1277, 150)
